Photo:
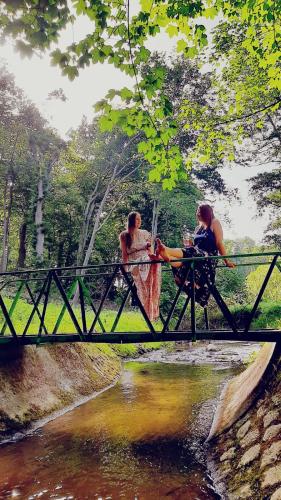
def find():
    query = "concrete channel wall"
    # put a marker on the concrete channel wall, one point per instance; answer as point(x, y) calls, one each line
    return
point(245, 438)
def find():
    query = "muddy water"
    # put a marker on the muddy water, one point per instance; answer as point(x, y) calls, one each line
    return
point(139, 440)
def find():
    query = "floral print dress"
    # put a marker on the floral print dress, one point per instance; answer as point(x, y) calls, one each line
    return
point(147, 277)
point(204, 271)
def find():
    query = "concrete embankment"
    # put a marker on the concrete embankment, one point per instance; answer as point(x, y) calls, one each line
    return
point(37, 381)
point(245, 445)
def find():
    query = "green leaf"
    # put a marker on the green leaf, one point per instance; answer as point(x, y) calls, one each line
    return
point(146, 5)
point(126, 94)
point(181, 45)
point(172, 30)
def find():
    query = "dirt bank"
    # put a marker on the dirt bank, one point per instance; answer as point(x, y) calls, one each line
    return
point(37, 381)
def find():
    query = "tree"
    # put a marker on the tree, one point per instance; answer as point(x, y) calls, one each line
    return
point(13, 150)
point(266, 188)
point(119, 38)
point(28, 150)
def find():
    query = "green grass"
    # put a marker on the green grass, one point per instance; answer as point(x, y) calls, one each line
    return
point(130, 321)
point(268, 315)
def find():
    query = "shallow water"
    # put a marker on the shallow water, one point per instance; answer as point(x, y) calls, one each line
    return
point(139, 440)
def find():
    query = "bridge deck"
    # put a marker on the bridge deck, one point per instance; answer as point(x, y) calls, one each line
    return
point(141, 337)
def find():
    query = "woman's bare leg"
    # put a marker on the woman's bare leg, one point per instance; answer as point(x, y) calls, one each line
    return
point(168, 254)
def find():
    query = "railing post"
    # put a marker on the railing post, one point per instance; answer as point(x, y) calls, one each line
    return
point(82, 307)
point(45, 305)
point(192, 302)
point(206, 318)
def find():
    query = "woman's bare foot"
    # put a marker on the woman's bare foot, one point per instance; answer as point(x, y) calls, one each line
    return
point(161, 250)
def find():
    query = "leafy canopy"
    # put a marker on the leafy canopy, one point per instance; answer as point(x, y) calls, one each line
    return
point(119, 38)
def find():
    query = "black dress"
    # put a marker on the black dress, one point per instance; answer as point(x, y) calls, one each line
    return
point(204, 271)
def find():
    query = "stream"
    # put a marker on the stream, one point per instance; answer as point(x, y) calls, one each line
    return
point(141, 439)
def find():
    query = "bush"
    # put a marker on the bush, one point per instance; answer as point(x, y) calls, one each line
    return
point(255, 280)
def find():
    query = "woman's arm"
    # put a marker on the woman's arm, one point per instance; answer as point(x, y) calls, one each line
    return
point(217, 230)
point(123, 248)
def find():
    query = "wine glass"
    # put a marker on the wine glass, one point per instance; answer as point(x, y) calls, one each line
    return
point(187, 237)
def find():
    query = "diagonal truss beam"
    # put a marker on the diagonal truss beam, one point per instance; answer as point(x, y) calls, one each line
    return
point(35, 306)
point(260, 294)
point(116, 321)
point(104, 298)
point(90, 302)
point(67, 303)
point(7, 317)
point(174, 303)
point(13, 305)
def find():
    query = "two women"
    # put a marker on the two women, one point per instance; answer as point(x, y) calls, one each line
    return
point(208, 241)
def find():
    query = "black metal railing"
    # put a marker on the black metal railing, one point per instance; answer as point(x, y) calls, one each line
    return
point(43, 297)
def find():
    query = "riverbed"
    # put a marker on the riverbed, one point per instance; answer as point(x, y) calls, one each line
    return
point(141, 439)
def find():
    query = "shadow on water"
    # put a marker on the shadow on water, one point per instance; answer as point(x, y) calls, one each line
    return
point(138, 440)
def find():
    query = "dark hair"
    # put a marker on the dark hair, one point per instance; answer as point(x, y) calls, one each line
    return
point(131, 224)
point(206, 214)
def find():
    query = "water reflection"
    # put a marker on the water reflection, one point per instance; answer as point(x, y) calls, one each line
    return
point(132, 441)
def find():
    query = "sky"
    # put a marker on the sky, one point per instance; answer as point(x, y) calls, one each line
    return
point(38, 78)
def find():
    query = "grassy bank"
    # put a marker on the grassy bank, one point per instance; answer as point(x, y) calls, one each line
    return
point(130, 321)
point(268, 315)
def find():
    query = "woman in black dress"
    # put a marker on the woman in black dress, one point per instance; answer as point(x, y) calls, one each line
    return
point(208, 241)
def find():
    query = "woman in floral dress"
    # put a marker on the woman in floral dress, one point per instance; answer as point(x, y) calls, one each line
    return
point(208, 241)
point(135, 245)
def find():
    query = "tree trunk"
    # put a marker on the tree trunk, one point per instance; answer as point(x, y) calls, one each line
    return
point(39, 221)
point(275, 129)
point(85, 227)
point(22, 245)
point(94, 234)
point(8, 201)
point(60, 254)
point(155, 215)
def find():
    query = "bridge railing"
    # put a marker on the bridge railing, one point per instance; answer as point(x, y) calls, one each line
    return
point(43, 297)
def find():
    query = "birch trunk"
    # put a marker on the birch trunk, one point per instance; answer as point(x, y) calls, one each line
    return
point(5, 228)
point(94, 234)
point(8, 201)
point(86, 222)
point(39, 221)
point(155, 215)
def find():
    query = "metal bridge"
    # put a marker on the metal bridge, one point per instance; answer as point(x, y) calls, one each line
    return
point(47, 296)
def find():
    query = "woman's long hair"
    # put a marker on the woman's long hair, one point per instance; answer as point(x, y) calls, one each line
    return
point(206, 214)
point(131, 224)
